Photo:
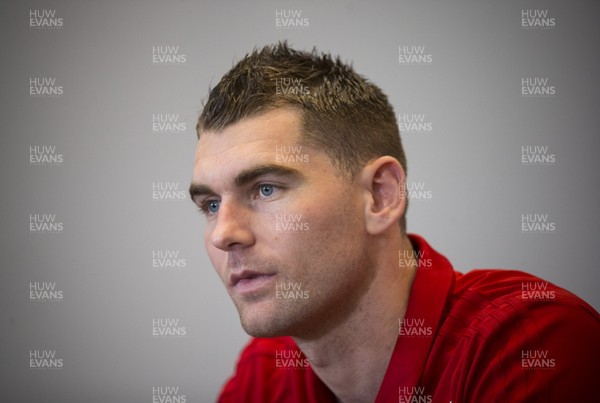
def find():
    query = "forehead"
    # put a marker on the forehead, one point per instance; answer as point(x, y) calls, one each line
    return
point(270, 128)
point(252, 141)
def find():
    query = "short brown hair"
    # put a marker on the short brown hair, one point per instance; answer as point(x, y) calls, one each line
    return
point(341, 112)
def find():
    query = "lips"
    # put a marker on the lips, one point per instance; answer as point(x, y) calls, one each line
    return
point(249, 280)
point(246, 276)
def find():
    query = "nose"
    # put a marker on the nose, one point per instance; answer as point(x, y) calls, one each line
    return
point(231, 230)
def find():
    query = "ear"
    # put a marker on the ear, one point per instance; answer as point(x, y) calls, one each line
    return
point(383, 183)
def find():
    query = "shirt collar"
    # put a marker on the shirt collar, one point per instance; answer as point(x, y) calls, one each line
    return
point(428, 296)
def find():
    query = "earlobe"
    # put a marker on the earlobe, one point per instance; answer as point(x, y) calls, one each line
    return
point(383, 181)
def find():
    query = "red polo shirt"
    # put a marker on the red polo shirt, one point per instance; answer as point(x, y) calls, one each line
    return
point(485, 336)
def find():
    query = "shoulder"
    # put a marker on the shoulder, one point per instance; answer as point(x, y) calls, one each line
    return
point(489, 298)
point(517, 337)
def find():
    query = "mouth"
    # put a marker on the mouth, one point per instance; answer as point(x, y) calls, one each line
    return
point(249, 281)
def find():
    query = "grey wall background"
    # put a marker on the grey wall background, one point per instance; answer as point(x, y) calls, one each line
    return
point(469, 166)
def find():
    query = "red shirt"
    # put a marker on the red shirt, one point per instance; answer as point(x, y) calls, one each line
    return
point(485, 336)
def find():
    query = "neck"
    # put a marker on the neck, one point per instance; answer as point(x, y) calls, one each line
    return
point(352, 358)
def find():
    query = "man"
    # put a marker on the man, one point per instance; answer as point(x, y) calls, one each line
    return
point(301, 174)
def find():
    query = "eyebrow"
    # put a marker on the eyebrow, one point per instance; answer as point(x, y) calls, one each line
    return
point(246, 176)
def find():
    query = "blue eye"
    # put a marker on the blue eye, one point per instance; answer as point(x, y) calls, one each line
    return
point(266, 190)
point(212, 206)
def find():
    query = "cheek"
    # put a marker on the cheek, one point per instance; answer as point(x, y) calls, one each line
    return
point(206, 238)
point(327, 229)
point(215, 255)
point(335, 215)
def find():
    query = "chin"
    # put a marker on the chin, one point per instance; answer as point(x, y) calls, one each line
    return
point(261, 330)
point(258, 323)
point(261, 325)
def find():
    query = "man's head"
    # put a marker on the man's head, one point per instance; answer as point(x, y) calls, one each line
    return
point(341, 112)
point(300, 171)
